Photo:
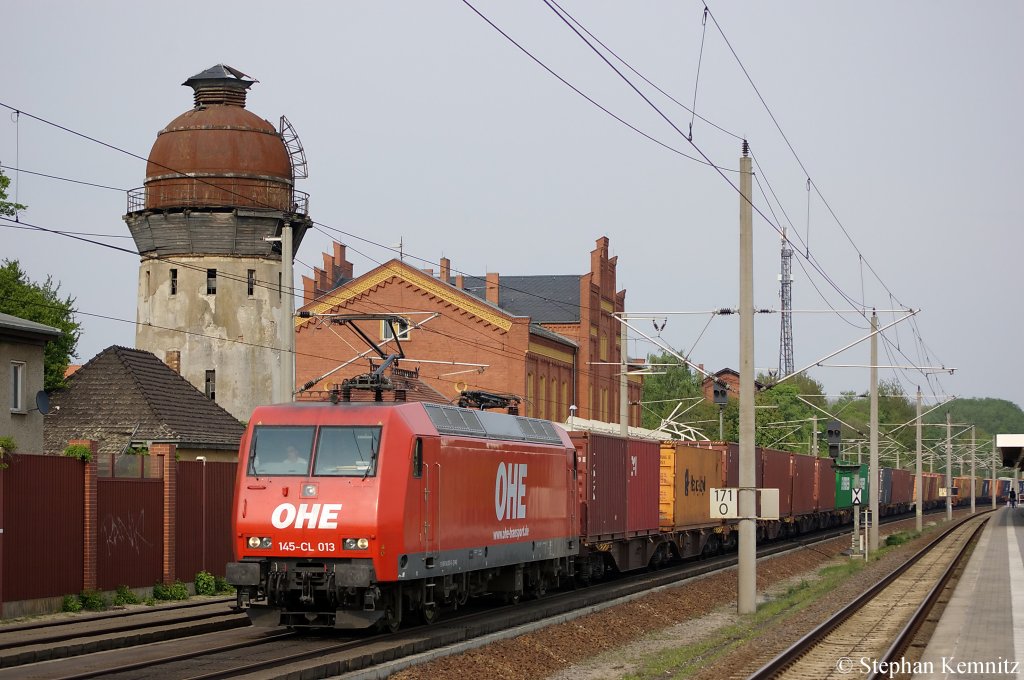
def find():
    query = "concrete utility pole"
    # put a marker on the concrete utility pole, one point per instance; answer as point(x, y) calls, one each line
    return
point(919, 511)
point(873, 457)
point(747, 595)
point(949, 468)
point(992, 488)
point(972, 470)
point(814, 436)
point(288, 327)
point(624, 382)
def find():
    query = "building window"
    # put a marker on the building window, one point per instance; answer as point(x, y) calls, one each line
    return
point(174, 282)
point(18, 386)
point(565, 399)
point(211, 385)
point(401, 328)
point(252, 282)
point(211, 281)
point(530, 406)
point(604, 347)
point(542, 400)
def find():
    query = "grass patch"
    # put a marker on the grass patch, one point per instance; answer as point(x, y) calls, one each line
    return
point(685, 661)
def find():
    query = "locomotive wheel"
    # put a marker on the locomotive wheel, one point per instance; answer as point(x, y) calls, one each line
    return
point(391, 621)
point(429, 613)
point(539, 587)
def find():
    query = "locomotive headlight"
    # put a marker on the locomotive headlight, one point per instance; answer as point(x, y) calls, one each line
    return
point(255, 542)
point(355, 544)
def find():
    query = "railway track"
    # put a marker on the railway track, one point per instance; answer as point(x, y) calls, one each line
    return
point(873, 631)
point(134, 653)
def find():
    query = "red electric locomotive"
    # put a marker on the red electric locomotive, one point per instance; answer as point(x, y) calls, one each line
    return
point(350, 515)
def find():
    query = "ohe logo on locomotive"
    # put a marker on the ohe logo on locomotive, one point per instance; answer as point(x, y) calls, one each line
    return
point(509, 491)
point(308, 516)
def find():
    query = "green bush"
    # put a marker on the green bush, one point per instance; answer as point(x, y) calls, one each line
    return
point(7, 447)
point(93, 600)
point(901, 537)
point(205, 583)
point(71, 603)
point(125, 596)
point(176, 591)
point(79, 451)
point(222, 586)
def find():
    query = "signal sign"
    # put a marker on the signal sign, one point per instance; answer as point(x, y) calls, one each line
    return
point(856, 496)
point(723, 503)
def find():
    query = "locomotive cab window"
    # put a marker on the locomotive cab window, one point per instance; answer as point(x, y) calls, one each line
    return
point(347, 452)
point(280, 451)
point(417, 459)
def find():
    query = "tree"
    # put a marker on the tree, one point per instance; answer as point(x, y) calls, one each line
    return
point(42, 303)
point(663, 390)
point(7, 209)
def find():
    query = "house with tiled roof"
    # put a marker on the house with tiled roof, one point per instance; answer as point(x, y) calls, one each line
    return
point(126, 399)
point(551, 340)
point(22, 347)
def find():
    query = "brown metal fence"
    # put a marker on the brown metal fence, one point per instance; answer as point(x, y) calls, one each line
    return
point(203, 532)
point(41, 543)
point(129, 533)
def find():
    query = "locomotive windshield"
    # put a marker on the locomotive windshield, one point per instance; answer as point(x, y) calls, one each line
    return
point(347, 451)
point(281, 451)
point(339, 451)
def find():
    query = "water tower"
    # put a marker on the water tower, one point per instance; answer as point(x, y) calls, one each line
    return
point(217, 210)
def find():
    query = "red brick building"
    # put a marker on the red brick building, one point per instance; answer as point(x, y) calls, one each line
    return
point(552, 340)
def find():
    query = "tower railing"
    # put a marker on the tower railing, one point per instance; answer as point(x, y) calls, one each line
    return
point(164, 197)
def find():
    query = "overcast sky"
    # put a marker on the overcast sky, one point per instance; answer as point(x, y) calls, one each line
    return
point(422, 123)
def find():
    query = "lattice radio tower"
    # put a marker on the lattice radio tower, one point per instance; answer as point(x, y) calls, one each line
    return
point(786, 293)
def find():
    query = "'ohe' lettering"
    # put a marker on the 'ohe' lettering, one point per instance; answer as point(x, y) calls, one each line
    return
point(315, 516)
point(509, 491)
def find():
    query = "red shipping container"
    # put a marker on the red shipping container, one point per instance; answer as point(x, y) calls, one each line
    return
point(775, 472)
point(804, 482)
point(902, 487)
point(602, 467)
point(643, 464)
point(825, 490)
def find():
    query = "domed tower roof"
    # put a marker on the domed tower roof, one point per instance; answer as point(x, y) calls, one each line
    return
point(219, 154)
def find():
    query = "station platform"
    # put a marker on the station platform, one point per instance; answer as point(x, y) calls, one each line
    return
point(981, 632)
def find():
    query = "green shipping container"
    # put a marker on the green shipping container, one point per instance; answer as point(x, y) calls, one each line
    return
point(848, 477)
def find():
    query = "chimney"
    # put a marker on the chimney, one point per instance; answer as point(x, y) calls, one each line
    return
point(446, 269)
point(492, 288)
point(429, 271)
point(460, 283)
point(172, 358)
point(219, 84)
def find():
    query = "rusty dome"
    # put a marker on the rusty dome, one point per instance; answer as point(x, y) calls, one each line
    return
point(219, 155)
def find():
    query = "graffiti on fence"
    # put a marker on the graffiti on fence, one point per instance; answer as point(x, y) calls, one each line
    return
point(129, 530)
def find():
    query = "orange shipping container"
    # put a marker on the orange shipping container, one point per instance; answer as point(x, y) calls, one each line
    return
point(687, 476)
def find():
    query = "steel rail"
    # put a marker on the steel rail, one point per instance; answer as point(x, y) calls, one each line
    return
point(798, 649)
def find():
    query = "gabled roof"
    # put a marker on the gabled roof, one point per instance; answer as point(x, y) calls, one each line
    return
point(127, 395)
point(551, 298)
point(462, 299)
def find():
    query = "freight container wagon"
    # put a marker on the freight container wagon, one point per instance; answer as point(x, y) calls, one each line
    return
point(619, 501)
point(687, 476)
